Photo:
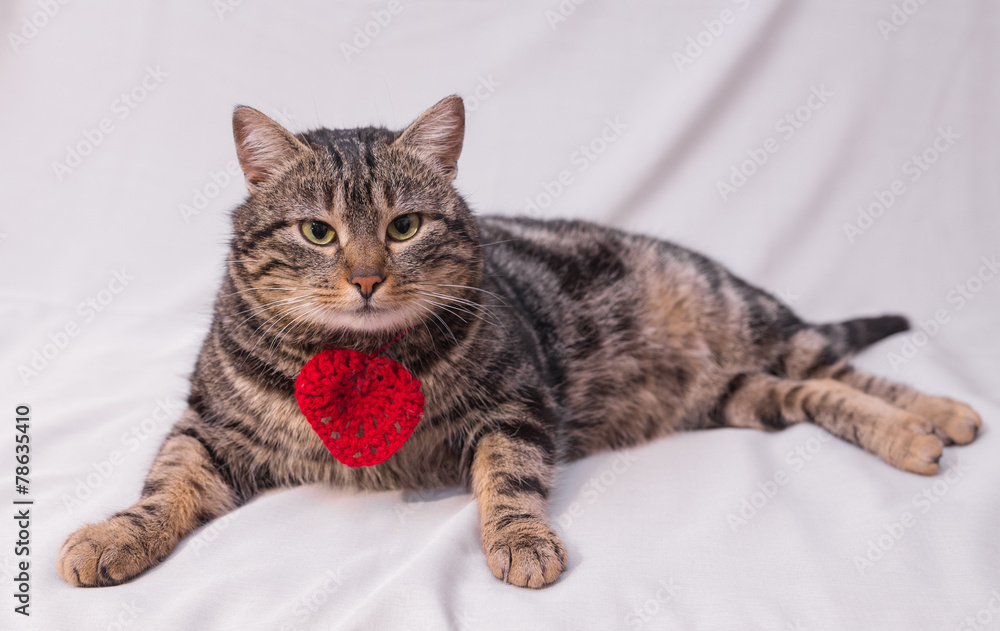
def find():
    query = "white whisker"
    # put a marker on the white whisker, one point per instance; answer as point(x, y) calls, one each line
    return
point(275, 304)
point(483, 245)
point(494, 320)
point(438, 318)
point(472, 288)
point(466, 303)
point(262, 289)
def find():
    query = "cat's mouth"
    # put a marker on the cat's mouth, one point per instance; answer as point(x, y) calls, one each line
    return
point(371, 318)
point(368, 309)
point(368, 317)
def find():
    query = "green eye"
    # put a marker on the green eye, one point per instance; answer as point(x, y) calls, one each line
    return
point(318, 232)
point(404, 227)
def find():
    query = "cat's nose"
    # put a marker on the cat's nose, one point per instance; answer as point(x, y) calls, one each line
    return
point(366, 284)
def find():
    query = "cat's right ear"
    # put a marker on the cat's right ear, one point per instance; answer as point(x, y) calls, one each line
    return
point(263, 147)
point(437, 135)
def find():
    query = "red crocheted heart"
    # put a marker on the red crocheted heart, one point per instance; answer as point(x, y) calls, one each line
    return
point(363, 408)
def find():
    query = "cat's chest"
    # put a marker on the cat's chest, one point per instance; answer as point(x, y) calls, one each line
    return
point(430, 454)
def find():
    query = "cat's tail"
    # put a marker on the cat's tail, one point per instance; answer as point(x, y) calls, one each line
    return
point(814, 356)
point(851, 336)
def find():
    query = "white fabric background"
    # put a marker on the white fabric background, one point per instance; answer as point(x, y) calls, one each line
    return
point(314, 558)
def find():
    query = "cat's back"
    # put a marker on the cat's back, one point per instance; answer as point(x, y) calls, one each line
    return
point(567, 263)
point(561, 265)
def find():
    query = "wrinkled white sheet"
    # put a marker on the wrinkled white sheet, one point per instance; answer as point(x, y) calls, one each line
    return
point(626, 113)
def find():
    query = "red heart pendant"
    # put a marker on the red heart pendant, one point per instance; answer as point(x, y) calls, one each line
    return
point(364, 408)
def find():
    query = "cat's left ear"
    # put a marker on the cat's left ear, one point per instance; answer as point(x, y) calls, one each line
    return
point(263, 147)
point(437, 135)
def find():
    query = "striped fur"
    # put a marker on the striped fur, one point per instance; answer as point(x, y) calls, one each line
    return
point(537, 342)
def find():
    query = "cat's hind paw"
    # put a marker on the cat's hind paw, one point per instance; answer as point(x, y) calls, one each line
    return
point(954, 421)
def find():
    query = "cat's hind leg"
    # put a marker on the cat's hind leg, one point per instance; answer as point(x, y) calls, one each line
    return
point(954, 421)
point(822, 352)
point(764, 401)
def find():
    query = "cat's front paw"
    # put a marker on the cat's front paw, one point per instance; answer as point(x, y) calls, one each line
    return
point(103, 554)
point(526, 553)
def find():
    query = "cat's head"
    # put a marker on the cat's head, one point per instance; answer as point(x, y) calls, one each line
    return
point(353, 230)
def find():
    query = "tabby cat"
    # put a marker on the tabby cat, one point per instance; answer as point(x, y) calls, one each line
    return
point(537, 342)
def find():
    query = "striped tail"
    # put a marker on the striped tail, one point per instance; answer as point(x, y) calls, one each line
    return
point(851, 336)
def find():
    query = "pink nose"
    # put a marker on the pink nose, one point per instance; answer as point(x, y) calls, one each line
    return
point(366, 284)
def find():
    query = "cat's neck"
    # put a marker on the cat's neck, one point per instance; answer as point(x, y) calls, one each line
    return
point(418, 347)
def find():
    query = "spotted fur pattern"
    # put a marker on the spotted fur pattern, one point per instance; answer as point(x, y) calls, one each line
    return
point(537, 342)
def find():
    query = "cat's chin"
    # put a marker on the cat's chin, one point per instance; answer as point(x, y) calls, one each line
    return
point(368, 320)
